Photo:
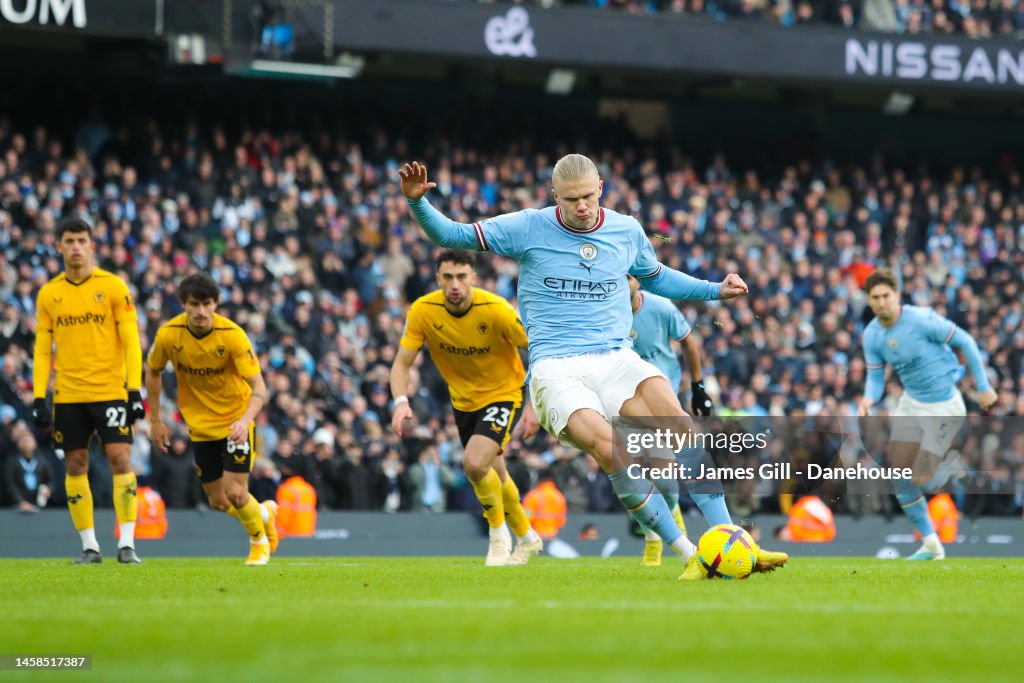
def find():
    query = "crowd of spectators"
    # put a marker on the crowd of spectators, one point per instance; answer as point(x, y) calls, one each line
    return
point(972, 18)
point(318, 258)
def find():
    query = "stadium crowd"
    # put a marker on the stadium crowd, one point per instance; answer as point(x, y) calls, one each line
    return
point(972, 18)
point(317, 256)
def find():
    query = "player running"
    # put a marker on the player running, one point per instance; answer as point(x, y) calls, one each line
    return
point(474, 338)
point(916, 341)
point(575, 302)
point(87, 327)
point(220, 393)
point(657, 323)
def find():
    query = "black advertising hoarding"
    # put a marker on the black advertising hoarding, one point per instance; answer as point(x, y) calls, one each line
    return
point(586, 38)
point(572, 37)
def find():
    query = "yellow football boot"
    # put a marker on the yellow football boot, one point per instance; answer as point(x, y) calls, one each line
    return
point(259, 554)
point(692, 570)
point(652, 553)
point(768, 561)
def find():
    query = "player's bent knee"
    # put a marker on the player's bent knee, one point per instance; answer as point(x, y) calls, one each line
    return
point(476, 472)
point(476, 464)
point(121, 467)
point(77, 467)
point(478, 456)
point(601, 450)
point(238, 499)
point(659, 399)
point(120, 463)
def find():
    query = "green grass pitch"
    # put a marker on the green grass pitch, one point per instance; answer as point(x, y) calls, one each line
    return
point(451, 619)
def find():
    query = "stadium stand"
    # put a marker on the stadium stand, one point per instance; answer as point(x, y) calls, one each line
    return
point(310, 239)
point(977, 19)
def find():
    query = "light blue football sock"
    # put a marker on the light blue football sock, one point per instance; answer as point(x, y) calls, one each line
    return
point(914, 505)
point(645, 505)
point(707, 495)
point(713, 507)
point(669, 490)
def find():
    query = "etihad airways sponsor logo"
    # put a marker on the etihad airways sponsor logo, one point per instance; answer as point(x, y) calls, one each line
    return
point(571, 288)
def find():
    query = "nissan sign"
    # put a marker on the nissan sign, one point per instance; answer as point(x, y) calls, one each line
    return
point(918, 61)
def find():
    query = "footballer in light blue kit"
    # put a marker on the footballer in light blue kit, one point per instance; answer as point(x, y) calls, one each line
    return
point(916, 341)
point(574, 299)
point(657, 323)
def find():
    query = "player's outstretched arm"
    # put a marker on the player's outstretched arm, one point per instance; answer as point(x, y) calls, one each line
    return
point(673, 284)
point(400, 387)
point(441, 230)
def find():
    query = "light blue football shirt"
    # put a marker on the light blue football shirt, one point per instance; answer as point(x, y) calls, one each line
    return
point(916, 346)
point(573, 293)
point(655, 325)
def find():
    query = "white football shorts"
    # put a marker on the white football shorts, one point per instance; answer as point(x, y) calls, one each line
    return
point(933, 425)
point(599, 381)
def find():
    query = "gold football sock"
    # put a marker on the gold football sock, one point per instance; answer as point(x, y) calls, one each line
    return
point(488, 492)
point(514, 512)
point(126, 505)
point(79, 500)
point(252, 519)
point(126, 502)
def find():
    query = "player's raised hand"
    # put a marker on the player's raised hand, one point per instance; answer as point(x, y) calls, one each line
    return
point(732, 286)
point(158, 435)
point(987, 399)
point(414, 180)
point(402, 413)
